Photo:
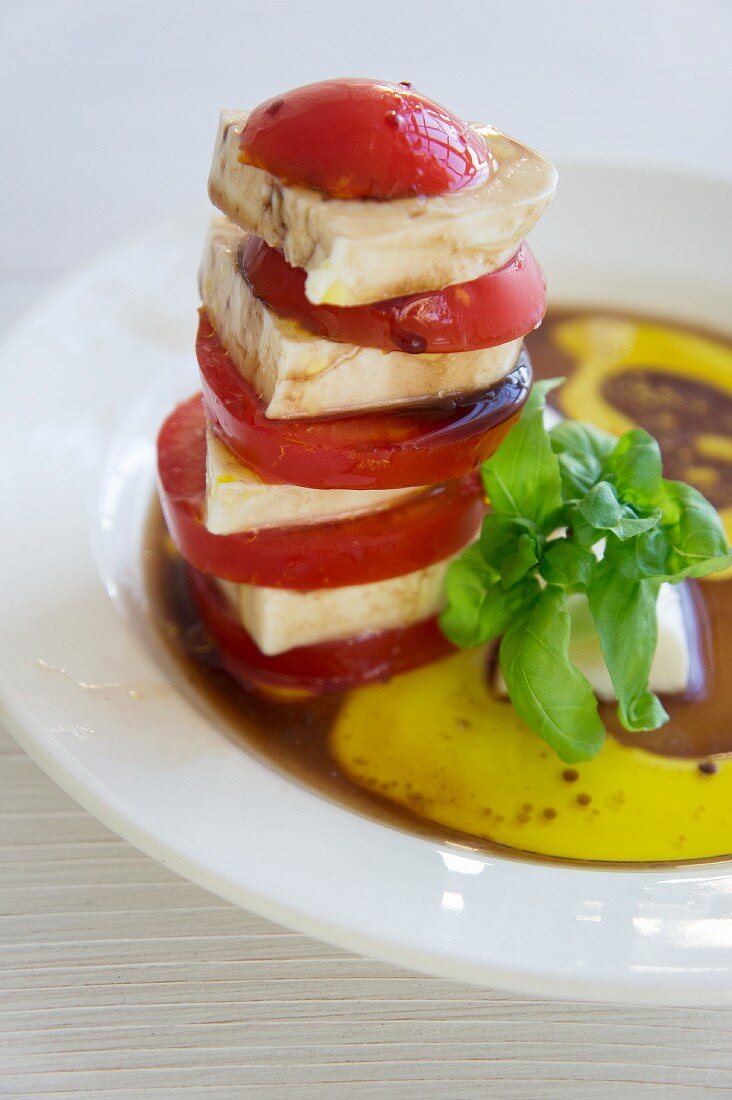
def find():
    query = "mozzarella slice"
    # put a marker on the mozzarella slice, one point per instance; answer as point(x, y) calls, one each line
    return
point(238, 500)
point(279, 619)
point(299, 375)
point(670, 669)
point(358, 251)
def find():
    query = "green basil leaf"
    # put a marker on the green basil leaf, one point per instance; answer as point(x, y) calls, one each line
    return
point(539, 391)
point(601, 508)
point(690, 540)
point(478, 608)
point(548, 692)
point(522, 478)
point(641, 558)
point(635, 469)
point(592, 486)
point(624, 614)
point(515, 566)
point(697, 534)
point(567, 564)
point(580, 532)
point(469, 579)
point(499, 535)
point(582, 451)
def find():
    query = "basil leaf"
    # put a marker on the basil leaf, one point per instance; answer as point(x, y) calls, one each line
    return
point(624, 614)
point(469, 578)
point(697, 536)
point(644, 557)
point(499, 535)
point(635, 469)
point(515, 566)
point(690, 540)
point(582, 451)
point(539, 390)
point(581, 533)
point(578, 485)
point(478, 608)
point(567, 564)
point(601, 508)
point(522, 478)
point(548, 692)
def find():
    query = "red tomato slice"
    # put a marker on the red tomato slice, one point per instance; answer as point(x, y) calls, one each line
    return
point(424, 529)
point(374, 451)
point(364, 139)
point(317, 669)
point(490, 310)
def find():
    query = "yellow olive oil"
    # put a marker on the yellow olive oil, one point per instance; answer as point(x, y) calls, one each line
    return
point(438, 742)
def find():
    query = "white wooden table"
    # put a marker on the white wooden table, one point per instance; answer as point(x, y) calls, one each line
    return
point(117, 979)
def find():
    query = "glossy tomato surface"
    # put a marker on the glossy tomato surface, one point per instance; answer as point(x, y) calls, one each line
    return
point(364, 139)
point(482, 313)
point(317, 669)
point(371, 547)
point(371, 451)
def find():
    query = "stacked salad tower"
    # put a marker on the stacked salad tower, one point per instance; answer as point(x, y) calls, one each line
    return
point(365, 298)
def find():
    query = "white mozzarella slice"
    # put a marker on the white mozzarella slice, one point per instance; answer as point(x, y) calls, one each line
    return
point(670, 669)
point(238, 500)
point(279, 619)
point(358, 251)
point(300, 375)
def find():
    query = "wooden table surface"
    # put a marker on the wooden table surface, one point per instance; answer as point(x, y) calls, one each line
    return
point(118, 980)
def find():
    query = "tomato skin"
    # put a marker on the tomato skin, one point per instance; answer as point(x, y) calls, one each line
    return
point(364, 139)
point(317, 669)
point(371, 547)
point(371, 451)
point(483, 313)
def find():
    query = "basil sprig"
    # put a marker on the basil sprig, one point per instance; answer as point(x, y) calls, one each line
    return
point(555, 494)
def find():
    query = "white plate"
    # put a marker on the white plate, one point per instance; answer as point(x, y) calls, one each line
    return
point(89, 693)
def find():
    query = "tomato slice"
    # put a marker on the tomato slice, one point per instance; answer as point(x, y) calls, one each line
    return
point(371, 547)
point(490, 310)
point(374, 451)
point(364, 139)
point(317, 669)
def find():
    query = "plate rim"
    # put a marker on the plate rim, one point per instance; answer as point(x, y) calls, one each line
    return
point(663, 989)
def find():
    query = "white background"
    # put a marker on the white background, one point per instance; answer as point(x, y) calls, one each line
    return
point(114, 975)
point(108, 108)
